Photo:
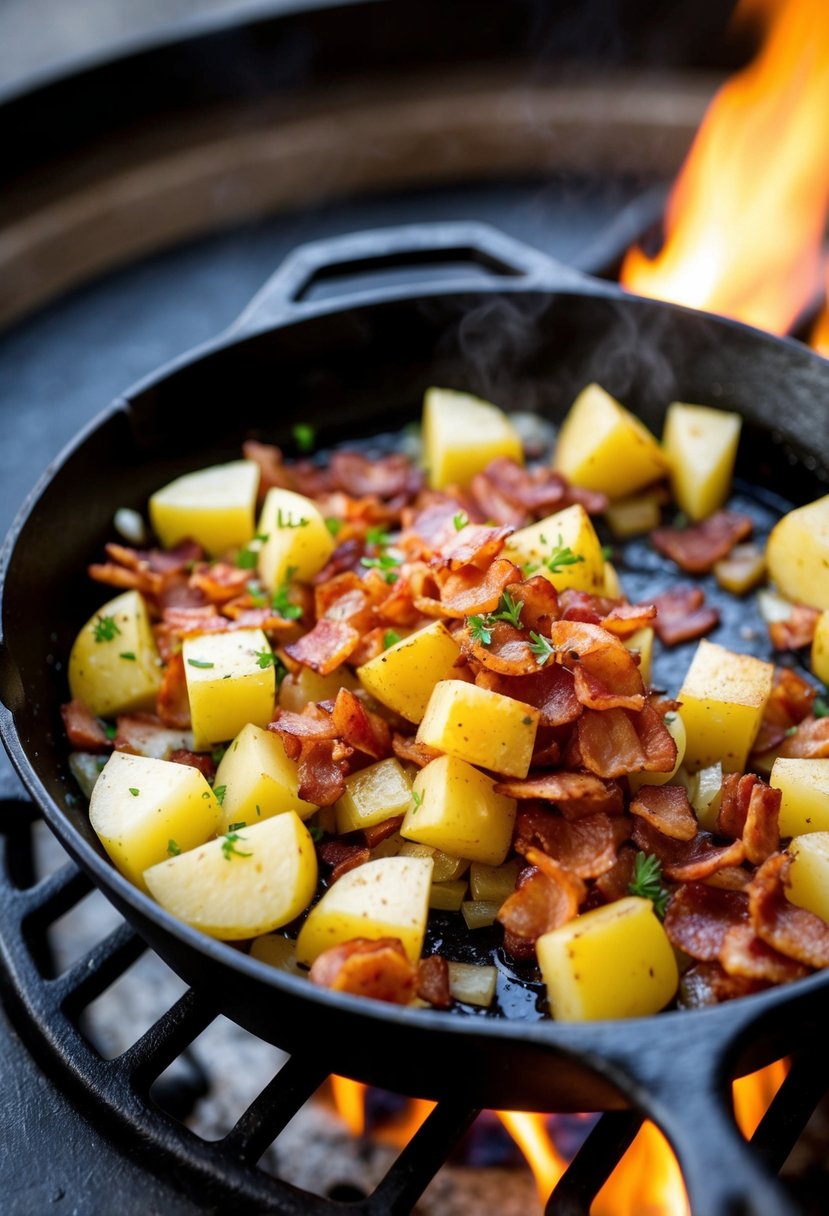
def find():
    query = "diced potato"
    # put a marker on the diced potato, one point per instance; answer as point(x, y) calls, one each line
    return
point(635, 515)
point(742, 570)
point(298, 538)
point(479, 913)
point(706, 796)
point(642, 642)
point(701, 445)
point(723, 697)
point(456, 809)
point(461, 434)
point(403, 676)
point(258, 779)
point(213, 506)
point(493, 883)
point(304, 685)
point(390, 847)
point(448, 896)
point(474, 985)
point(243, 884)
point(446, 867)
point(612, 962)
point(612, 583)
point(820, 648)
point(372, 795)
point(534, 546)
point(277, 951)
point(227, 685)
point(146, 810)
point(385, 898)
point(479, 726)
point(809, 873)
point(804, 788)
point(602, 446)
point(86, 768)
point(114, 666)
point(797, 554)
point(676, 729)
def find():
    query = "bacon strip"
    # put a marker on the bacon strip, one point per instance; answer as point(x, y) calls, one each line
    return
point(588, 791)
point(551, 691)
point(406, 748)
point(83, 729)
point(797, 630)
point(666, 808)
point(432, 983)
point(681, 617)
point(687, 860)
point(173, 702)
point(744, 954)
point(326, 647)
point(699, 917)
point(321, 769)
point(707, 984)
point(792, 931)
point(761, 835)
point(543, 900)
point(475, 545)
point(470, 591)
point(585, 847)
point(376, 969)
point(697, 549)
point(366, 732)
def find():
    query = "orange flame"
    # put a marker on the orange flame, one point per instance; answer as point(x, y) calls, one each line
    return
point(746, 217)
point(530, 1134)
point(820, 334)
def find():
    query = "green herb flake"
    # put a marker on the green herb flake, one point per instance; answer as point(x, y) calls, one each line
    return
point(316, 833)
point(219, 792)
point(647, 882)
point(480, 628)
point(509, 610)
point(258, 809)
point(281, 602)
point(417, 799)
point(791, 731)
point(204, 663)
point(284, 520)
point(542, 648)
point(607, 553)
point(820, 707)
point(234, 827)
point(105, 628)
point(129, 655)
point(246, 559)
point(229, 850)
point(110, 731)
point(217, 755)
point(460, 520)
point(379, 537)
point(561, 556)
point(386, 563)
point(257, 595)
point(390, 638)
point(334, 525)
point(172, 848)
point(134, 791)
point(304, 437)
point(265, 658)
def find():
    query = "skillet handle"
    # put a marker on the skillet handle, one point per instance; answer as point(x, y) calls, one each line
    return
point(466, 249)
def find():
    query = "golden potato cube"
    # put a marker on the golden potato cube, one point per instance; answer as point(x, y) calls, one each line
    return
point(540, 549)
point(461, 434)
point(277, 951)
point(447, 868)
point(602, 446)
point(257, 779)
point(214, 507)
point(642, 643)
point(742, 570)
point(809, 873)
point(457, 811)
point(612, 583)
point(227, 685)
point(706, 796)
point(676, 729)
point(804, 789)
point(384, 898)
point(244, 884)
point(723, 697)
point(114, 666)
point(448, 896)
point(473, 984)
point(374, 794)
point(299, 543)
point(480, 913)
point(300, 687)
point(820, 648)
point(612, 962)
point(403, 676)
point(635, 515)
point(701, 445)
point(797, 554)
point(144, 811)
point(494, 883)
point(479, 726)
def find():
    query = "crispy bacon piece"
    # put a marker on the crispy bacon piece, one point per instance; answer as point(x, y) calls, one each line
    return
point(539, 603)
point(792, 931)
point(729, 878)
point(615, 882)
point(508, 653)
point(744, 954)
point(809, 742)
point(564, 786)
point(364, 731)
point(219, 582)
point(698, 918)
point(199, 760)
point(322, 766)
point(697, 549)
point(542, 901)
point(272, 471)
point(551, 691)
point(469, 591)
point(761, 834)
point(707, 984)
point(666, 808)
point(326, 647)
point(791, 700)
point(625, 619)
point(342, 857)
point(371, 646)
point(313, 724)
point(585, 847)
point(582, 606)
point(172, 703)
point(681, 617)
point(146, 735)
point(595, 694)
point(475, 545)
point(432, 982)
point(797, 630)
point(376, 969)
point(615, 742)
point(83, 729)
point(407, 749)
point(391, 477)
point(687, 860)
point(114, 575)
point(536, 492)
point(736, 795)
point(381, 831)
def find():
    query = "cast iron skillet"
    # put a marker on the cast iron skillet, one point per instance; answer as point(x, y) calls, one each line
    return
point(504, 321)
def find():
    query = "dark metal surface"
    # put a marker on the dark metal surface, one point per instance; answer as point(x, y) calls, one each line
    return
point(345, 364)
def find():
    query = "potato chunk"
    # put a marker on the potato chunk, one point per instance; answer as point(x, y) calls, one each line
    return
point(613, 962)
point(227, 684)
point(299, 543)
point(461, 434)
point(481, 727)
point(213, 506)
point(457, 810)
point(642, 643)
point(258, 779)
point(809, 873)
point(540, 549)
point(723, 697)
point(602, 446)
point(300, 687)
point(144, 811)
point(403, 676)
point(384, 898)
point(701, 445)
point(374, 794)
point(820, 648)
point(804, 789)
point(797, 554)
point(114, 666)
point(244, 884)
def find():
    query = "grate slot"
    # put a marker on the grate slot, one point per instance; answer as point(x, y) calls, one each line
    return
point(296, 1081)
point(593, 1164)
point(420, 1160)
point(165, 1040)
point(99, 968)
point(54, 896)
point(792, 1106)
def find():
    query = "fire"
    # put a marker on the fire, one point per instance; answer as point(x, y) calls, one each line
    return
point(646, 1182)
point(746, 217)
point(820, 334)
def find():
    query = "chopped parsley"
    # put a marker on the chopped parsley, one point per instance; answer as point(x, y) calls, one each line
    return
point(820, 707)
point(542, 648)
point(647, 882)
point(265, 658)
point(481, 629)
point(256, 593)
point(417, 799)
point(304, 437)
point(791, 731)
point(217, 754)
point(334, 525)
point(390, 638)
point(229, 849)
point(280, 600)
point(509, 610)
point(129, 655)
point(110, 731)
point(283, 520)
point(219, 792)
point(205, 663)
point(316, 833)
point(105, 628)
point(386, 563)
point(378, 536)
point(607, 552)
point(134, 791)
point(234, 827)
point(246, 559)
point(669, 719)
point(172, 848)
point(460, 520)
point(561, 556)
